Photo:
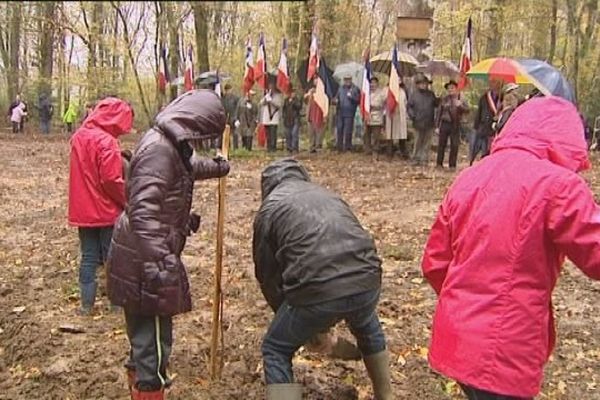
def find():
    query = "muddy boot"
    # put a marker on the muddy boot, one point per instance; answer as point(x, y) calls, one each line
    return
point(378, 367)
point(155, 395)
point(284, 391)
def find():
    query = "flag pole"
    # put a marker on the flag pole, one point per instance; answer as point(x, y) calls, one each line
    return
point(216, 360)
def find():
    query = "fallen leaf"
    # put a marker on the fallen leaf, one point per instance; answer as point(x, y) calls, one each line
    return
point(19, 310)
point(562, 387)
point(401, 360)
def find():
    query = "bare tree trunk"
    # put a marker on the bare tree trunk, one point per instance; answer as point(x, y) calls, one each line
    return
point(15, 41)
point(553, 30)
point(46, 46)
point(133, 66)
point(174, 50)
point(201, 15)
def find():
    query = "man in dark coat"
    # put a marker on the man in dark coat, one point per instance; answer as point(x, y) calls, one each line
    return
point(316, 266)
point(422, 104)
point(347, 100)
point(46, 111)
point(292, 108)
point(146, 275)
point(487, 110)
point(230, 103)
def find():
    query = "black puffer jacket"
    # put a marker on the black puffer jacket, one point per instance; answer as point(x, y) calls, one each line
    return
point(145, 271)
point(308, 246)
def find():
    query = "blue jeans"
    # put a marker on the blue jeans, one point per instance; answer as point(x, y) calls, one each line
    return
point(293, 326)
point(292, 137)
point(94, 244)
point(45, 127)
point(344, 128)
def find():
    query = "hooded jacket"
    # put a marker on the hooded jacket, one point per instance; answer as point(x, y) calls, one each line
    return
point(496, 249)
point(96, 185)
point(145, 271)
point(308, 246)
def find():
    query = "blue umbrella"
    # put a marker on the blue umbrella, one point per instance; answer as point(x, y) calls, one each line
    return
point(547, 76)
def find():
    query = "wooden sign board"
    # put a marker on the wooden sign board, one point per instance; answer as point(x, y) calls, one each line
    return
point(413, 28)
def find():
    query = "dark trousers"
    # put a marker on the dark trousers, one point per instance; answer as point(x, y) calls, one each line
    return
point(94, 244)
point(344, 128)
point(292, 137)
point(247, 142)
point(235, 137)
point(16, 127)
point(271, 137)
point(294, 326)
point(479, 144)
point(478, 394)
point(448, 130)
point(372, 138)
point(69, 127)
point(150, 339)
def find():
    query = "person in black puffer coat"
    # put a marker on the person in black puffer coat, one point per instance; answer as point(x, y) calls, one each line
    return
point(316, 265)
point(146, 275)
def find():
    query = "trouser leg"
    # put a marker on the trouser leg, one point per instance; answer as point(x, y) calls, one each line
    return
point(454, 145)
point(151, 339)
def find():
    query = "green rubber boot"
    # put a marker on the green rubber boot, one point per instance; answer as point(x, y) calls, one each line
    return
point(378, 367)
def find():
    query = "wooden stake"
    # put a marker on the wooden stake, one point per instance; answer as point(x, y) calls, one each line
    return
point(215, 358)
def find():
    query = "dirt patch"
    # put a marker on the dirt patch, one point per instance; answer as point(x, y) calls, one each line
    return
point(39, 267)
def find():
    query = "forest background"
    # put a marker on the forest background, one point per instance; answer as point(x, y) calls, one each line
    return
point(79, 51)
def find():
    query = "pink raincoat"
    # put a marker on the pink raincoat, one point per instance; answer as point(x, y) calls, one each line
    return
point(496, 248)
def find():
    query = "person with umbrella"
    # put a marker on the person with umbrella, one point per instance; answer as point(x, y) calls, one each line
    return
point(450, 112)
point(487, 111)
point(347, 100)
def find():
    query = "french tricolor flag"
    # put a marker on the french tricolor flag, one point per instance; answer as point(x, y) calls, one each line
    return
point(465, 57)
point(283, 73)
point(313, 58)
point(365, 92)
point(393, 96)
point(249, 65)
point(260, 69)
point(163, 71)
point(188, 76)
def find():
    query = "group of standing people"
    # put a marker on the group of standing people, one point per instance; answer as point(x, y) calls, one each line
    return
point(493, 328)
point(18, 113)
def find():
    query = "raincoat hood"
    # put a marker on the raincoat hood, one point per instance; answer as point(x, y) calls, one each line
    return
point(112, 115)
point(279, 171)
point(550, 128)
point(196, 114)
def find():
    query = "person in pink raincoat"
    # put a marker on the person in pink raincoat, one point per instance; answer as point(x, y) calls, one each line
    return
point(496, 249)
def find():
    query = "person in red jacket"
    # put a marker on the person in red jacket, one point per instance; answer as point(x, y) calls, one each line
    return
point(496, 249)
point(97, 187)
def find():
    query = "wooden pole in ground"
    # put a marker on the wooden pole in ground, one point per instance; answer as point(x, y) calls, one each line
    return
point(215, 359)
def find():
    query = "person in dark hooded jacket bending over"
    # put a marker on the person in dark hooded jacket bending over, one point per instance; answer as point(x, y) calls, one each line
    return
point(146, 275)
point(316, 266)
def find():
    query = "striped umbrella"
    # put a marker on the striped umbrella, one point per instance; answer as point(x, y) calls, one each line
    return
point(501, 68)
point(382, 63)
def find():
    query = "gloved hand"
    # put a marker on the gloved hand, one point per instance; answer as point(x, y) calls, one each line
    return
point(236, 123)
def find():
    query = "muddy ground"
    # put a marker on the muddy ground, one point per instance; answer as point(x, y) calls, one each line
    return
point(38, 289)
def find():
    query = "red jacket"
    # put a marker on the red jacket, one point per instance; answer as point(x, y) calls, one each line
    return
point(96, 185)
point(496, 248)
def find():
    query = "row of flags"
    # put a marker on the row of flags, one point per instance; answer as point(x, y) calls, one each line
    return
point(257, 73)
point(163, 70)
point(316, 72)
